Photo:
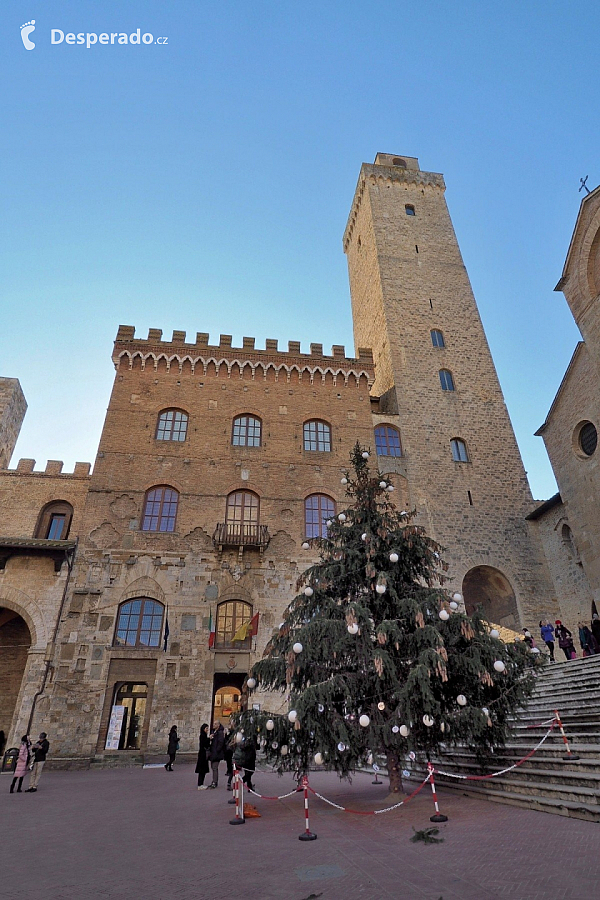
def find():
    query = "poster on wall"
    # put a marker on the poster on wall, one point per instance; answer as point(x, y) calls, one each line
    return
point(115, 725)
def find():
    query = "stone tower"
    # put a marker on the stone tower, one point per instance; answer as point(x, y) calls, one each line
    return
point(412, 303)
point(12, 412)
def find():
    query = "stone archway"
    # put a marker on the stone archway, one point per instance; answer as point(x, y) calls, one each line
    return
point(15, 642)
point(487, 588)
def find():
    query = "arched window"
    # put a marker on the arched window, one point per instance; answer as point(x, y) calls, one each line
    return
point(437, 338)
point(446, 380)
point(232, 616)
point(459, 450)
point(317, 436)
point(172, 425)
point(54, 521)
point(409, 210)
point(568, 541)
point(242, 509)
point(318, 508)
point(139, 623)
point(398, 161)
point(160, 509)
point(246, 431)
point(387, 441)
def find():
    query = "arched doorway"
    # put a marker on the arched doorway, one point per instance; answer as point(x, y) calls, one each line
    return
point(228, 697)
point(15, 641)
point(487, 588)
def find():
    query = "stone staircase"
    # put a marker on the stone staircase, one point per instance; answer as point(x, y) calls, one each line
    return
point(545, 782)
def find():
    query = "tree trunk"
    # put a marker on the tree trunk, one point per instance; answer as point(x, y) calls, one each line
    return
point(394, 772)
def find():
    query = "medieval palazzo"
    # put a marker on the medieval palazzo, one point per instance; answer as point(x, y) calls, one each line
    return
point(138, 595)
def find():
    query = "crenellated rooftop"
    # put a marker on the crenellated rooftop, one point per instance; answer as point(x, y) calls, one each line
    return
point(54, 467)
point(202, 353)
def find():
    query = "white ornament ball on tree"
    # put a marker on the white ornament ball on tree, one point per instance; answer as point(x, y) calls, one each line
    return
point(494, 633)
point(383, 484)
point(341, 747)
point(342, 517)
point(404, 730)
point(499, 666)
point(329, 523)
point(364, 454)
point(395, 729)
point(353, 628)
point(251, 683)
point(344, 480)
point(485, 710)
point(270, 725)
point(380, 588)
point(457, 597)
point(308, 591)
point(394, 557)
point(284, 750)
point(364, 721)
point(390, 488)
point(292, 716)
point(306, 545)
point(453, 605)
point(427, 721)
point(444, 615)
point(363, 537)
point(461, 700)
point(318, 759)
point(297, 648)
point(381, 706)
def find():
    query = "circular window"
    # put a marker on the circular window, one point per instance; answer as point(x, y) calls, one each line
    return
point(588, 438)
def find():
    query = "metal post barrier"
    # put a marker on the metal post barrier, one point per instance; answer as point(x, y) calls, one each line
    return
point(569, 755)
point(239, 803)
point(377, 778)
point(235, 789)
point(307, 834)
point(438, 817)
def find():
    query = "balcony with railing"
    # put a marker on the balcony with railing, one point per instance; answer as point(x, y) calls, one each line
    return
point(241, 535)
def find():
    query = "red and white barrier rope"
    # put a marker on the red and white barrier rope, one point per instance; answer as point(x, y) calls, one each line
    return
point(372, 812)
point(502, 771)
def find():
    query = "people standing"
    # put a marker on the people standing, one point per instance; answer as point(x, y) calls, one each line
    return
point(172, 748)
point(565, 639)
point(22, 763)
point(229, 748)
point(245, 757)
point(40, 752)
point(586, 639)
point(202, 763)
point(528, 638)
point(547, 633)
point(217, 753)
point(596, 630)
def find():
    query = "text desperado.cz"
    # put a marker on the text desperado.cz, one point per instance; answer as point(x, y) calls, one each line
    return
point(90, 38)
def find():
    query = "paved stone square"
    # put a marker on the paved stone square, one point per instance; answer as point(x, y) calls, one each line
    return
point(145, 833)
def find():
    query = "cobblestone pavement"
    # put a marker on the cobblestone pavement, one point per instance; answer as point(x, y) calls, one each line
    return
point(145, 833)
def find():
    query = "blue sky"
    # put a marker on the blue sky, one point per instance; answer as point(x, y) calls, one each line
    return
point(204, 185)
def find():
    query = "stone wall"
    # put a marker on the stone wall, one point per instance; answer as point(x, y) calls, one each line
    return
point(12, 412)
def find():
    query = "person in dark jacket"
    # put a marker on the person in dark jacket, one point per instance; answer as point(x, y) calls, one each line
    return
point(547, 632)
point(40, 752)
point(596, 629)
point(565, 639)
point(245, 758)
point(586, 639)
point(229, 748)
point(172, 748)
point(217, 753)
point(202, 764)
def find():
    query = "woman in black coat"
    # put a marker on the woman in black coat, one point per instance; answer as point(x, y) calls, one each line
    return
point(202, 764)
point(172, 748)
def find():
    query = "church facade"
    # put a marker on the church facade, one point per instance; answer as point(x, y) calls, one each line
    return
point(138, 595)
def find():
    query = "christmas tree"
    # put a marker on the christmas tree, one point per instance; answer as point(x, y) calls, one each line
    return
point(375, 657)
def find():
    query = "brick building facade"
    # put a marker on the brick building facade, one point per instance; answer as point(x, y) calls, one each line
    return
point(216, 463)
